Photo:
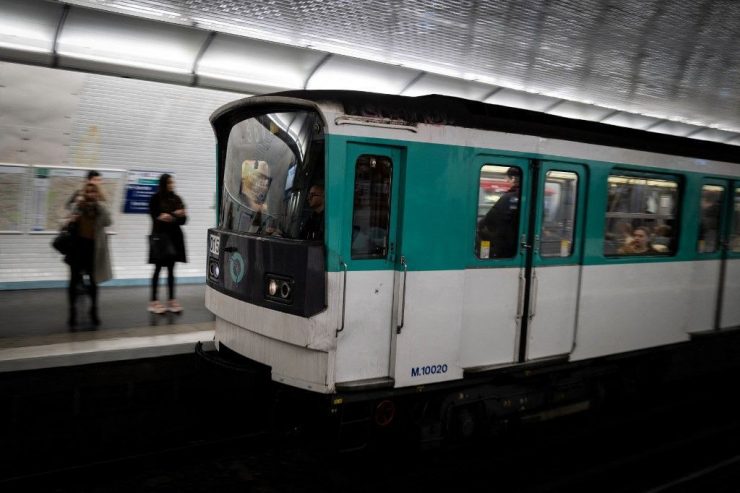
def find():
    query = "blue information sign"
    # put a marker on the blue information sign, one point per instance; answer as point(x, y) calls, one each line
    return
point(140, 187)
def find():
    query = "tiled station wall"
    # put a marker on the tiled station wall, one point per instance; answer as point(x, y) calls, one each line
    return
point(108, 122)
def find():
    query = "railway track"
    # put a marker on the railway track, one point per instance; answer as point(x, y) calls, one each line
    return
point(671, 443)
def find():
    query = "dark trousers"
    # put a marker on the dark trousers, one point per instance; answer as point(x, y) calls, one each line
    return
point(170, 280)
point(83, 262)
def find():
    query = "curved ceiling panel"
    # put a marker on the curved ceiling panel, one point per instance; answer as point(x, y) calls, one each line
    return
point(340, 72)
point(89, 37)
point(28, 31)
point(648, 66)
point(437, 84)
point(631, 120)
point(250, 65)
point(521, 99)
point(668, 59)
point(580, 111)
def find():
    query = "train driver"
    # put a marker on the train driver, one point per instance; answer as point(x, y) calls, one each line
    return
point(313, 228)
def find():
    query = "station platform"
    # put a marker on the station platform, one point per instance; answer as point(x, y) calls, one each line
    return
point(34, 332)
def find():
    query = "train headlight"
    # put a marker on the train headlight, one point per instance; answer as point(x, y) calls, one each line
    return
point(272, 287)
point(279, 288)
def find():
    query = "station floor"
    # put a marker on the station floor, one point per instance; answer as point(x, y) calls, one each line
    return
point(34, 332)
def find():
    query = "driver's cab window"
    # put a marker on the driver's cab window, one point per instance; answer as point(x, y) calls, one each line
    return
point(371, 210)
point(273, 176)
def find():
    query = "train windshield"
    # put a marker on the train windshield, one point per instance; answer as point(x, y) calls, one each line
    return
point(272, 163)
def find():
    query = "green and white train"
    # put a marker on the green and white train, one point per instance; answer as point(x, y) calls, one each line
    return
point(614, 241)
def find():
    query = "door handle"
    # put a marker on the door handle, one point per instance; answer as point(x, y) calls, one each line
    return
point(533, 295)
point(402, 301)
point(520, 297)
point(343, 266)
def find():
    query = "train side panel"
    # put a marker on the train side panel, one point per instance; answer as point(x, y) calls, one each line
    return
point(626, 307)
point(703, 295)
point(731, 295)
point(490, 330)
point(552, 328)
point(364, 345)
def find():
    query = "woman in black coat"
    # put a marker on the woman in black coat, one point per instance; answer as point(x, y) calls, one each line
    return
point(167, 244)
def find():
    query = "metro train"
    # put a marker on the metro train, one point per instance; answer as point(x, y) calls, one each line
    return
point(483, 260)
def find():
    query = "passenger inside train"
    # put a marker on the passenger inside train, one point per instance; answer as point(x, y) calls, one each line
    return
point(640, 244)
point(500, 225)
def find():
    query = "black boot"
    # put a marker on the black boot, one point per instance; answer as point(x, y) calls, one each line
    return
point(72, 320)
point(94, 315)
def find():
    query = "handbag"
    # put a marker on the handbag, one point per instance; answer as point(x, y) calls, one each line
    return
point(161, 249)
point(64, 241)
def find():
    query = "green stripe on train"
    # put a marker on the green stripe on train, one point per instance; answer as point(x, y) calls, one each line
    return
point(438, 201)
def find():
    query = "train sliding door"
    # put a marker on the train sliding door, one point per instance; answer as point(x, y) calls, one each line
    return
point(522, 289)
point(729, 314)
point(553, 264)
point(369, 259)
point(495, 281)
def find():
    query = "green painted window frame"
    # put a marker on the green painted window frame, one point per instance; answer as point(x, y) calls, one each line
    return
point(680, 181)
point(727, 185)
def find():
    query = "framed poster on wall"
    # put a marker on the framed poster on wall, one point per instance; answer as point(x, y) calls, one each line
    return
point(13, 178)
point(54, 186)
point(140, 186)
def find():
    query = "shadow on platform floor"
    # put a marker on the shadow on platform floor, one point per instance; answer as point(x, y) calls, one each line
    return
point(43, 312)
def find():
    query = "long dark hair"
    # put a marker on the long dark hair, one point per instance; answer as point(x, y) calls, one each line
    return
point(162, 191)
point(168, 201)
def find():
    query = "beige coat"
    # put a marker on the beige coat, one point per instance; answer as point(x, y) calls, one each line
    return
point(103, 270)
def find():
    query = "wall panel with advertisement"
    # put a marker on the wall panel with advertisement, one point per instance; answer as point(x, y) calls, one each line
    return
point(140, 186)
point(54, 186)
point(13, 182)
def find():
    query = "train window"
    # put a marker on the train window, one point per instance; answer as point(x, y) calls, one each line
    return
point(641, 216)
point(272, 162)
point(712, 197)
point(735, 236)
point(371, 213)
point(558, 214)
point(499, 196)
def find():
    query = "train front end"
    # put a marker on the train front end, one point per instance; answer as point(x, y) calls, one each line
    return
point(267, 282)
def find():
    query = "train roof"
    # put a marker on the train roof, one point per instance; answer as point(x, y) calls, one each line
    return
point(446, 110)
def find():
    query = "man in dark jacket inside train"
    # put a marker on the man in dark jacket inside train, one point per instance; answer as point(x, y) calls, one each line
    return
point(500, 226)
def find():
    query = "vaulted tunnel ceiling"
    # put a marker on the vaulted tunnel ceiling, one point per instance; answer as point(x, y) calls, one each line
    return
point(669, 66)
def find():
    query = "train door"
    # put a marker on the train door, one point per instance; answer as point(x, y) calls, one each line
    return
point(369, 257)
point(553, 262)
point(495, 278)
point(729, 313)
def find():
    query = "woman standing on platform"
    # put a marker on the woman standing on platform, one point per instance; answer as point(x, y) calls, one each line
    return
point(90, 253)
point(166, 243)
